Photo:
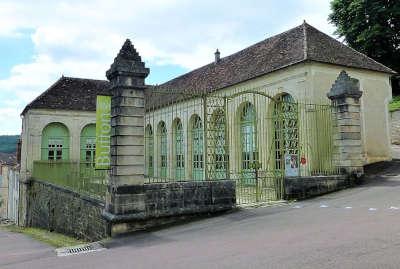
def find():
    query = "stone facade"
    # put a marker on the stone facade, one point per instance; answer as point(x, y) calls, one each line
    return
point(305, 187)
point(395, 126)
point(160, 203)
point(345, 95)
point(61, 210)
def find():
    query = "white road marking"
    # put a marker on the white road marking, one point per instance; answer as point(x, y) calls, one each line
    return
point(372, 209)
point(394, 208)
point(323, 206)
point(348, 207)
point(297, 206)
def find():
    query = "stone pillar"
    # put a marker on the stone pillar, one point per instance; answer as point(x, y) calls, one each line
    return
point(345, 95)
point(125, 195)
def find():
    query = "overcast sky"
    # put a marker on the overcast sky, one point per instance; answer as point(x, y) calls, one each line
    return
point(41, 40)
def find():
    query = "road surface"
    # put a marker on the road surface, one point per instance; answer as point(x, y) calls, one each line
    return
point(353, 228)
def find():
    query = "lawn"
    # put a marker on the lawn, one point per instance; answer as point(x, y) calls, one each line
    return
point(395, 103)
point(54, 239)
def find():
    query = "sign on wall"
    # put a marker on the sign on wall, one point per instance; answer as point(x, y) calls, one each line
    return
point(291, 165)
point(103, 131)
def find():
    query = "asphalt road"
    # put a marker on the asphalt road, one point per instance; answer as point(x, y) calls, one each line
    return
point(353, 228)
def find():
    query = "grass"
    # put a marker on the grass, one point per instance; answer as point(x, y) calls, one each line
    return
point(395, 103)
point(51, 238)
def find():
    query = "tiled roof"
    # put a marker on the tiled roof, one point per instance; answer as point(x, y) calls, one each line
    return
point(71, 94)
point(300, 44)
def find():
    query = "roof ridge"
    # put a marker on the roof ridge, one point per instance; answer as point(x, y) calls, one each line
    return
point(305, 41)
point(80, 78)
point(231, 55)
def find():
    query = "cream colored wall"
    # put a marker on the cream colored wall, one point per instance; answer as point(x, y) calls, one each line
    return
point(33, 123)
point(306, 82)
point(292, 80)
point(377, 93)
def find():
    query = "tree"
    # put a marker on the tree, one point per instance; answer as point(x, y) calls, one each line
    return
point(371, 27)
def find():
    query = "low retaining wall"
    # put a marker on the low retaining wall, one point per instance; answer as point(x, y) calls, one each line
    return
point(161, 203)
point(395, 126)
point(61, 210)
point(305, 187)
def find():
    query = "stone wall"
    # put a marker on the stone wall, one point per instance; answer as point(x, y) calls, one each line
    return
point(305, 187)
point(395, 126)
point(3, 191)
point(63, 211)
point(165, 202)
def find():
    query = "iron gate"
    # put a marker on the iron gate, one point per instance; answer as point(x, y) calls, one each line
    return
point(259, 140)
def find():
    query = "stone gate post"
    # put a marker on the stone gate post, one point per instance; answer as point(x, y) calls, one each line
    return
point(345, 95)
point(125, 194)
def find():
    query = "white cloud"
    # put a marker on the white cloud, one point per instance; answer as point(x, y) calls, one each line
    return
point(81, 38)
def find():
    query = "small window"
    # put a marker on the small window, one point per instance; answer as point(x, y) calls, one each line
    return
point(55, 148)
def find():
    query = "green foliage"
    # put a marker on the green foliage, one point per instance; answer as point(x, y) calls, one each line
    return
point(371, 27)
point(394, 104)
point(8, 143)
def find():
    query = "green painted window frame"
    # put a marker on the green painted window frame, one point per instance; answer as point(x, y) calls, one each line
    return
point(88, 145)
point(286, 131)
point(197, 149)
point(149, 150)
point(55, 142)
point(179, 150)
point(163, 147)
point(248, 139)
point(221, 156)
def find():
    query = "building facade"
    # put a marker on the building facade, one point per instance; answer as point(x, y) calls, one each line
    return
point(260, 106)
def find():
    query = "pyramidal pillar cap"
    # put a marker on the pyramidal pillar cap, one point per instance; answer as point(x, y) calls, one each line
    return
point(128, 67)
point(345, 86)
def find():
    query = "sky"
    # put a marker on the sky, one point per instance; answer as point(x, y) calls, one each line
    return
point(41, 40)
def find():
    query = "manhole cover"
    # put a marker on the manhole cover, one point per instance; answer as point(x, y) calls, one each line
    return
point(79, 249)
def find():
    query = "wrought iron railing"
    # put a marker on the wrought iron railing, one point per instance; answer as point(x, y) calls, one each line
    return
point(78, 177)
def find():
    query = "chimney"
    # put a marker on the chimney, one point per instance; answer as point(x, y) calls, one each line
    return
point(217, 56)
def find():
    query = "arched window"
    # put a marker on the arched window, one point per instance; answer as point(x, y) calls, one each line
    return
point(286, 130)
point(221, 157)
point(197, 148)
point(163, 149)
point(55, 142)
point(149, 150)
point(88, 144)
point(179, 150)
point(248, 137)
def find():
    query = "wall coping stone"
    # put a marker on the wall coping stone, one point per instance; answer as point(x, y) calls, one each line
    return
point(94, 201)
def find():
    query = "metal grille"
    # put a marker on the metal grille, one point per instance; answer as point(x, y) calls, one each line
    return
point(251, 136)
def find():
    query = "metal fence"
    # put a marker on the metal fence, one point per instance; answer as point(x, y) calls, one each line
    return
point(251, 136)
point(13, 195)
point(78, 177)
